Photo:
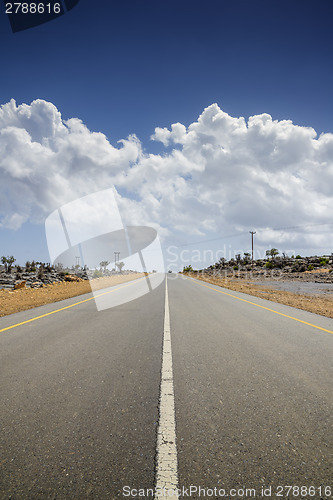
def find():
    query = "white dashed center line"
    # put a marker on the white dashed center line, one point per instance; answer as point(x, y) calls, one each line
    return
point(166, 467)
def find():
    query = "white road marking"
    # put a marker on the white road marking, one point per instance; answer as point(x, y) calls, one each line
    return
point(166, 467)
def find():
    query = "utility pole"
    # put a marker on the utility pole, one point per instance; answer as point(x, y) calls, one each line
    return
point(115, 258)
point(252, 233)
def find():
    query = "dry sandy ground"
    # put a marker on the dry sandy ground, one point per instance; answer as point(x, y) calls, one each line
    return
point(313, 303)
point(19, 300)
point(12, 301)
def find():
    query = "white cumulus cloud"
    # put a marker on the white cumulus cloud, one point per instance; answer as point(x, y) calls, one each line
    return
point(220, 174)
point(46, 161)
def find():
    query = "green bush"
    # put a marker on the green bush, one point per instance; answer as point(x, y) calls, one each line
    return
point(310, 267)
point(97, 274)
point(235, 268)
point(298, 257)
point(268, 265)
point(323, 262)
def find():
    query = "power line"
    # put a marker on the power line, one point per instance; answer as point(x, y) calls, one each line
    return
point(234, 235)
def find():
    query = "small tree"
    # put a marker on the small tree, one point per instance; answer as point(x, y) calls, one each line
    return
point(274, 252)
point(247, 256)
point(40, 274)
point(104, 264)
point(120, 265)
point(8, 263)
point(4, 262)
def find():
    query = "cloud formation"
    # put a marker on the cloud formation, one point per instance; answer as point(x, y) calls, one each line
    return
point(46, 161)
point(217, 175)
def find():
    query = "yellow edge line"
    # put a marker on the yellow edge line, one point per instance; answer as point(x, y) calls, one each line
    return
point(67, 307)
point(262, 307)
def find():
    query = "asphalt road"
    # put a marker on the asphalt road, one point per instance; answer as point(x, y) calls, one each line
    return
point(80, 395)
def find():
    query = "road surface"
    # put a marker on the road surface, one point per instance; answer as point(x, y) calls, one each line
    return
point(250, 397)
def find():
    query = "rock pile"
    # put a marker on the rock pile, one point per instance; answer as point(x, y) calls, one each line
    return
point(314, 269)
point(25, 278)
point(44, 274)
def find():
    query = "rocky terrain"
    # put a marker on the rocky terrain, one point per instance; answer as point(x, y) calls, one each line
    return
point(37, 284)
point(39, 275)
point(305, 283)
point(22, 298)
point(318, 269)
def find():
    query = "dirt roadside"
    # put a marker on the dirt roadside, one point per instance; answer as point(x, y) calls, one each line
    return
point(12, 301)
point(312, 303)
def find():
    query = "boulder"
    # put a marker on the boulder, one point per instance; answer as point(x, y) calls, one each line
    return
point(72, 277)
point(36, 284)
point(19, 284)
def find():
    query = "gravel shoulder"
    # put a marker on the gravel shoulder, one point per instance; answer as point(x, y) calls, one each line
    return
point(12, 301)
point(313, 300)
point(309, 297)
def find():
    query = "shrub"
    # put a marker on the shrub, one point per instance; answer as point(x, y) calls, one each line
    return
point(97, 274)
point(235, 268)
point(268, 265)
point(298, 257)
point(310, 267)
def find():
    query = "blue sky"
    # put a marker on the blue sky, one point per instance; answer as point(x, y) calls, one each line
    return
point(130, 67)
